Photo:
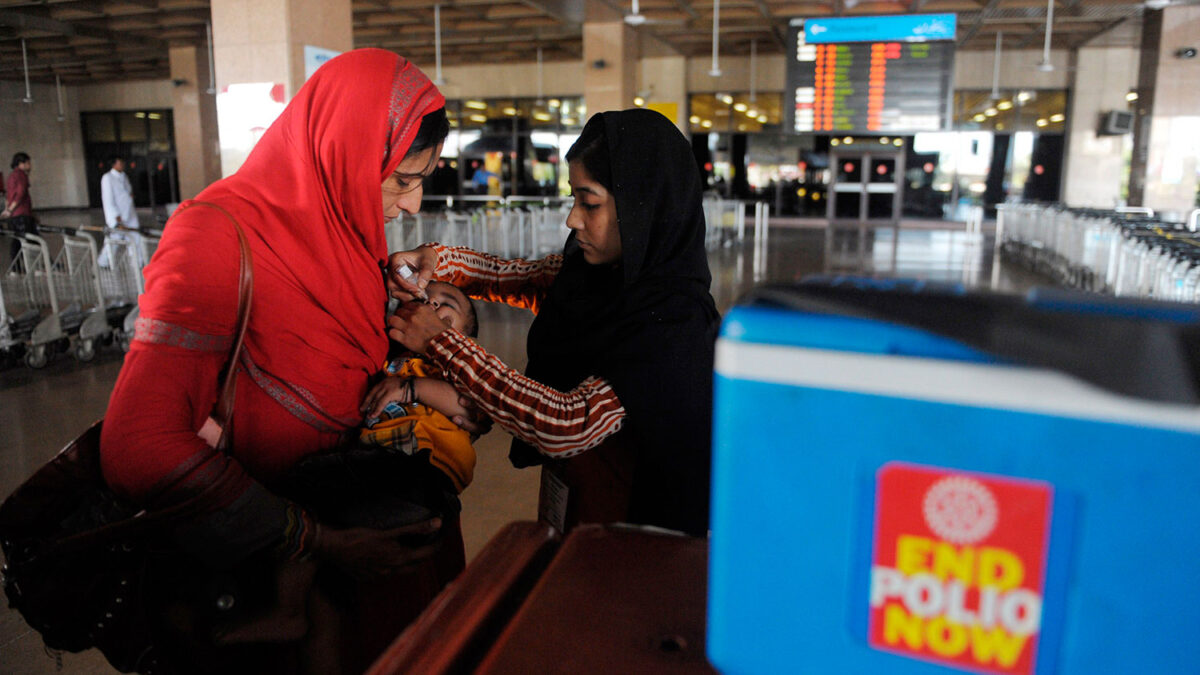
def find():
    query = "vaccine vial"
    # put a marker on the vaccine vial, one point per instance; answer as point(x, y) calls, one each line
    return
point(406, 273)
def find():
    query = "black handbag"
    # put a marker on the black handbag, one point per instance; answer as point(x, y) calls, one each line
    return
point(76, 555)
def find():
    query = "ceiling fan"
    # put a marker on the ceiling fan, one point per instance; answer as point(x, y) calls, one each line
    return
point(636, 18)
point(1045, 65)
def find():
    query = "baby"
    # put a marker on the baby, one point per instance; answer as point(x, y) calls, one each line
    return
point(408, 411)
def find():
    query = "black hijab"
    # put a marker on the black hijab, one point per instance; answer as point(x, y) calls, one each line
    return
point(646, 325)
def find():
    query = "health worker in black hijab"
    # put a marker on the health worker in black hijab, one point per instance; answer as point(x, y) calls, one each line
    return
point(626, 305)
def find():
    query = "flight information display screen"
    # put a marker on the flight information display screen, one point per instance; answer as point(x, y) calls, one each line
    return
point(884, 86)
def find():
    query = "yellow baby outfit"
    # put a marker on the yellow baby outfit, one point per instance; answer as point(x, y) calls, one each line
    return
point(413, 427)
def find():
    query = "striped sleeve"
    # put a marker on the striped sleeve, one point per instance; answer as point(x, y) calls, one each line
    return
point(559, 424)
point(520, 283)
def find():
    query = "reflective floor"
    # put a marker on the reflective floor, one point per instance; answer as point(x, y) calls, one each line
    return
point(42, 410)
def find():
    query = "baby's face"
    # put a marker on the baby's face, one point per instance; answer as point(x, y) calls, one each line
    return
point(450, 303)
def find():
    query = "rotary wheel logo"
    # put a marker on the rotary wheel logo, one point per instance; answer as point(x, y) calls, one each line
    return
point(960, 510)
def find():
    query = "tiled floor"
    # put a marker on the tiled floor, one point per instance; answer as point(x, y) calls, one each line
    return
point(42, 410)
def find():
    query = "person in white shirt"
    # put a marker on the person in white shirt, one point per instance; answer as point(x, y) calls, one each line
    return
point(116, 194)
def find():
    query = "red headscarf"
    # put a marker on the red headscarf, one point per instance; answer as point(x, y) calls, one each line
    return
point(310, 201)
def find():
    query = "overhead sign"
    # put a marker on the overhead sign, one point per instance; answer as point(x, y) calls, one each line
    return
point(900, 27)
point(884, 86)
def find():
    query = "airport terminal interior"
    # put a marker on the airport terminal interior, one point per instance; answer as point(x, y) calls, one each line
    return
point(970, 145)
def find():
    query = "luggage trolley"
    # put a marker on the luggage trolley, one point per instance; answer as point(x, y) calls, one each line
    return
point(121, 283)
point(53, 282)
point(83, 280)
point(29, 279)
point(18, 312)
point(548, 230)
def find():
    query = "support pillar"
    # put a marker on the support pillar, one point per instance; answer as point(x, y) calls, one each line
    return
point(610, 60)
point(1166, 149)
point(197, 148)
point(664, 80)
point(1095, 163)
point(262, 43)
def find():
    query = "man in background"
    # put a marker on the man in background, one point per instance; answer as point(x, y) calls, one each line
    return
point(18, 207)
point(120, 217)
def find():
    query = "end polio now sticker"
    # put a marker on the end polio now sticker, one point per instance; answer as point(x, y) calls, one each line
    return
point(959, 567)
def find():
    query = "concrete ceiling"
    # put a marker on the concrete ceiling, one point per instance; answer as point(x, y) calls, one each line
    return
point(88, 41)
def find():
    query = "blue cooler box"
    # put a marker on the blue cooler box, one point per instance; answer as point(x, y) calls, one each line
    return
point(916, 480)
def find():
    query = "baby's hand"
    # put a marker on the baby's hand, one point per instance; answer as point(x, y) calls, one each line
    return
point(388, 390)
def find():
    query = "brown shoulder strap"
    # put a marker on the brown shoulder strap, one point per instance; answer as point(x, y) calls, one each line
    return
point(223, 410)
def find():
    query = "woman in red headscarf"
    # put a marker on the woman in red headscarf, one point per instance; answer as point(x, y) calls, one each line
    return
point(348, 152)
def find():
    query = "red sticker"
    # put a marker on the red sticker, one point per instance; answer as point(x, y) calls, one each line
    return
point(958, 568)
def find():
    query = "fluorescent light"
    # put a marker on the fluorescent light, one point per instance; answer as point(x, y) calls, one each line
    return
point(740, 107)
point(694, 119)
point(1131, 96)
point(991, 112)
point(477, 118)
point(475, 105)
point(1042, 123)
point(1057, 117)
point(1004, 105)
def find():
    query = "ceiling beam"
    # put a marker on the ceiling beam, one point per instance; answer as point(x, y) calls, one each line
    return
point(32, 22)
point(983, 14)
point(775, 32)
point(568, 11)
point(35, 67)
point(144, 4)
point(1097, 33)
point(687, 9)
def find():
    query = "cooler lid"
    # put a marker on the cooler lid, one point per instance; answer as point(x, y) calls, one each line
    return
point(1139, 348)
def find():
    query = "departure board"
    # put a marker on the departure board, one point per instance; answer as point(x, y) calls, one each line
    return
point(867, 87)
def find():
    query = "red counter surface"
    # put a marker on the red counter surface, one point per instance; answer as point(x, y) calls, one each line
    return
point(605, 599)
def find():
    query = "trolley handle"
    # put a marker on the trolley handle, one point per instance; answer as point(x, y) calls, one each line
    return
point(57, 229)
